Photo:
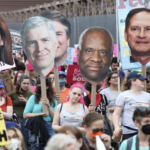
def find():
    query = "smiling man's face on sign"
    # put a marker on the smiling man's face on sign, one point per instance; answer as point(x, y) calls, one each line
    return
point(40, 46)
point(95, 54)
point(137, 34)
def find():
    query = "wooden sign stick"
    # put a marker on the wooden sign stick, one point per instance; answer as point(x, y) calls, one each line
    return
point(57, 83)
point(43, 90)
point(144, 74)
point(93, 98)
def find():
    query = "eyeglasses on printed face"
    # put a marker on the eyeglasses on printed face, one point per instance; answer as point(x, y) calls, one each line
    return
point(98, 130)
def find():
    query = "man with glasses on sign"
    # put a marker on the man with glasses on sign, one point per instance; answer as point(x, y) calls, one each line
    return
point(141, 141)
point(132, 96)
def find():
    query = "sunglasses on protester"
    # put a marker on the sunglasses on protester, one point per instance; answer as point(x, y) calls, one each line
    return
point(51, 78)
point(98, 130)
point(148, 81)
point(114, 77)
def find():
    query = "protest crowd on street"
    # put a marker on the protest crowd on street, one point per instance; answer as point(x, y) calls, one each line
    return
point(94, 95)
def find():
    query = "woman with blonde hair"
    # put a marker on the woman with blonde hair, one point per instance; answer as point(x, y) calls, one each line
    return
point(132, 96)
point(16, 140)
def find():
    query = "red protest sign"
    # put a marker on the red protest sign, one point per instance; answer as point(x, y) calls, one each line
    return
point(73, 75)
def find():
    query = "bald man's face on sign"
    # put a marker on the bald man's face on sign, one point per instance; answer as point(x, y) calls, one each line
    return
point(95, 56)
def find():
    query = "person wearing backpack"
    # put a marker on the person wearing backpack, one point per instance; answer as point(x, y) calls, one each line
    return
point(73, 111)
point(141, 141)
point(6, 106)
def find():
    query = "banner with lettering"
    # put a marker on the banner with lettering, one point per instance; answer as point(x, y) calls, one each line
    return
point(74, 75)
point(16, 41)
point(123, 7)
point(3, 133)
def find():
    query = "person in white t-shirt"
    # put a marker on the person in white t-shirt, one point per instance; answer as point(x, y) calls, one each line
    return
point(111, 92)
point(127, 101)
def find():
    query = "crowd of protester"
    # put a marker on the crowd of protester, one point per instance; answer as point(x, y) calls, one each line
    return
point(75, 122)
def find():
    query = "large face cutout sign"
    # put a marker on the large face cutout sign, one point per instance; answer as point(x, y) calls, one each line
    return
point(5, 44)
point(137, 34)
point(95, 53)
point(63, 31)
point(39, 43)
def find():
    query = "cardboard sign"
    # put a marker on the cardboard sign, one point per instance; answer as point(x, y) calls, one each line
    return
point(74, 75)
point(40, 53)
point(123, 9)
point(31, 68)
point(71, 56)
point(16, 41)
point(3, 132)
point(5, 44)
point(94, 63)
point(9, 86)
point(4, 66)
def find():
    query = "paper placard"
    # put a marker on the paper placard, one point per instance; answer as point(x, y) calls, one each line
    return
point(3, 132)
point(9, 86)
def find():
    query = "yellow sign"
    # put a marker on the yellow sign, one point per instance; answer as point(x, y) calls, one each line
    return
point(3, 132)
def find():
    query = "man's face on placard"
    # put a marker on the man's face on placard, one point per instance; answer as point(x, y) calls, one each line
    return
point(138, 37)
point(40, 47)
point(63, 41)
point(95, 56)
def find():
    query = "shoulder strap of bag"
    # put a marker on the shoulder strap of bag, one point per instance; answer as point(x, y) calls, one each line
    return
point(61, 107)
point(129, 143)
point(83, 107)
point(6, 100)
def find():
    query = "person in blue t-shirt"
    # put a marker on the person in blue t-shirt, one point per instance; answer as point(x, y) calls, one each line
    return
point(34, 106)
point(141, 141)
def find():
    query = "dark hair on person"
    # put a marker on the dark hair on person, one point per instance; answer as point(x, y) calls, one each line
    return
point(132, 13)
point(21, 66)
point(58, 16)
point(6, 49)
point(18, 86)
point(126, 84)
point(16, 76)
point(50, 92)
point(76, 132)
point(114, 60)
point(108, 78)
point(88, 86)
point(141, 112)
point(91, 117)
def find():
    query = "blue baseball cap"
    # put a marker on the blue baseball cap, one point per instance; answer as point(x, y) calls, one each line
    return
point(136, 74)
point(62, 73)
point(1, 83)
